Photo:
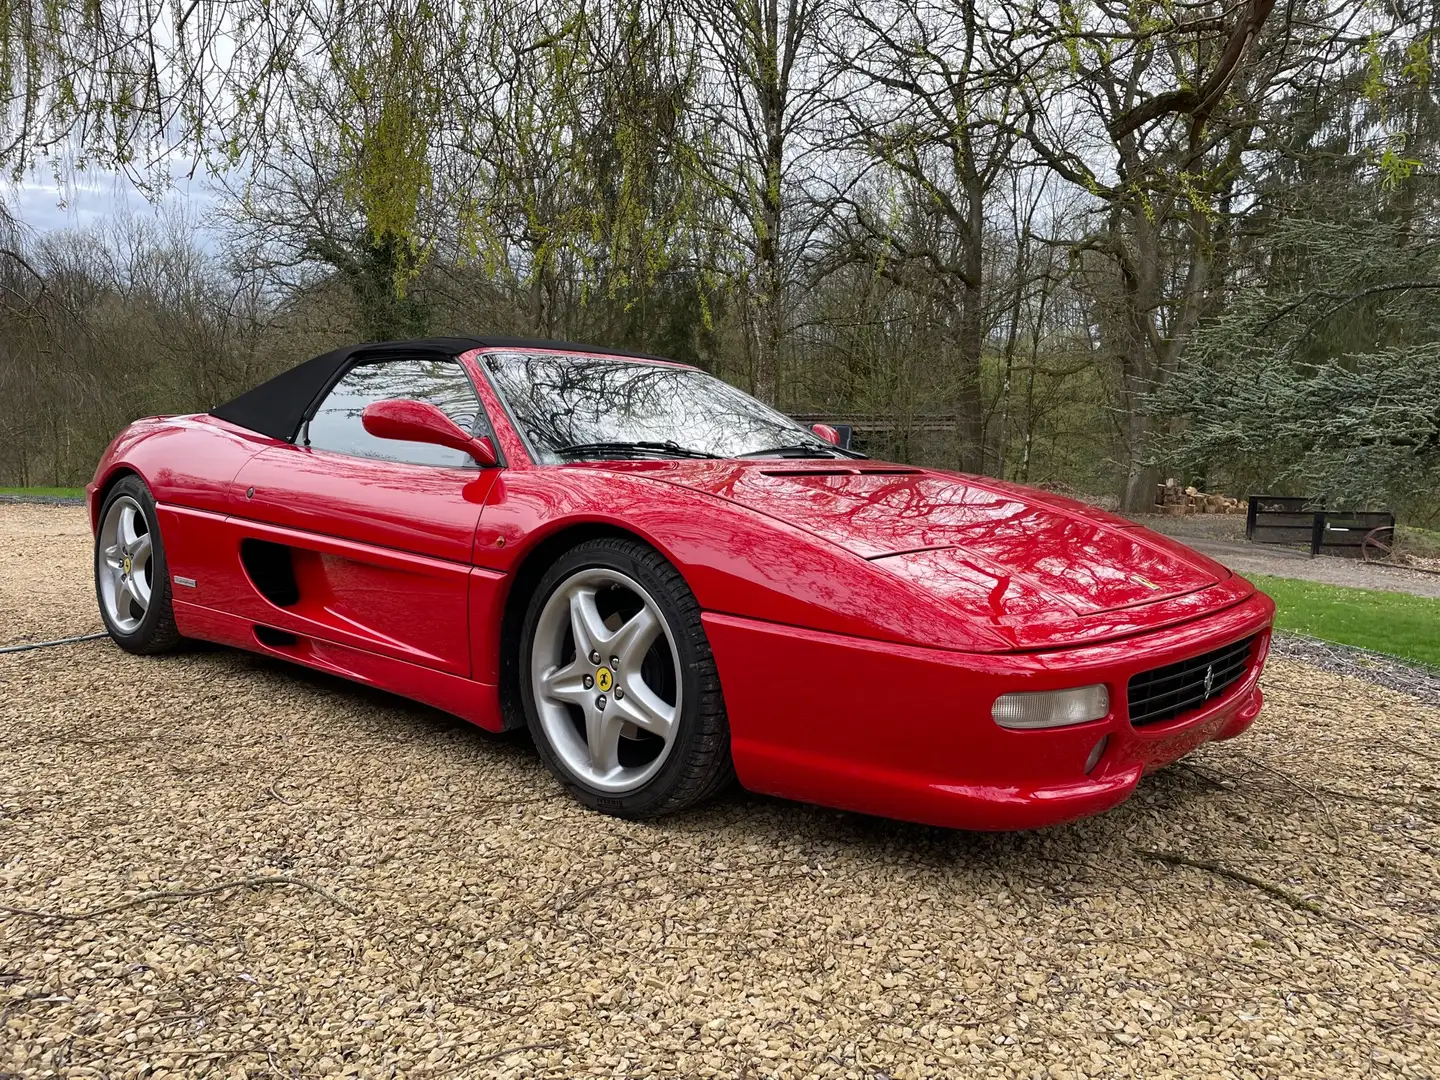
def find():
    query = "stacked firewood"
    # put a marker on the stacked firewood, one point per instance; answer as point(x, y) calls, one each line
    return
point(1171, 498)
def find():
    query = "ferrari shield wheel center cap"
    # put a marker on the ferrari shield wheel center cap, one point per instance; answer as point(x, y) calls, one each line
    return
point(607, 680)
point(123, 564)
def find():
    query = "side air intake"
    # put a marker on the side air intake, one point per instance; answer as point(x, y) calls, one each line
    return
point(271, 571)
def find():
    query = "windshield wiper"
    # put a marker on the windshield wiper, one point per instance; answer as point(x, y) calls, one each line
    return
point(600, 449)
point(802, 450)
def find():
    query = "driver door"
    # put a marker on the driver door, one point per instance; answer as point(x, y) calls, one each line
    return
point(362, 541)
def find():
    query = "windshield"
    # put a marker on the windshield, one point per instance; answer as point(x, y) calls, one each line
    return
point(580, 406)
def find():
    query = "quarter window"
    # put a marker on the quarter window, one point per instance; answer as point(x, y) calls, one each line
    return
point(443, 383)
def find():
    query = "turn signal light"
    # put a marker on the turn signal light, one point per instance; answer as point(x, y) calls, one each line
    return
point(1051, 708)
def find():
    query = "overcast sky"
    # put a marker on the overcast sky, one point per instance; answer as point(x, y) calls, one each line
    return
point(43, 205)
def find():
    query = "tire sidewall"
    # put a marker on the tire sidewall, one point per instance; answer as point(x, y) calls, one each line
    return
point(655, 791)
point(141, 638)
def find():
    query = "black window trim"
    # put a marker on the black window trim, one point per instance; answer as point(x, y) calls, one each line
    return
point(383, 356)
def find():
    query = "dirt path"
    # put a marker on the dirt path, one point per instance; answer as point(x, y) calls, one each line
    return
point(431, 905)
point(1223, 539)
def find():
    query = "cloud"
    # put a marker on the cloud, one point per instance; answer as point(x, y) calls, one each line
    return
point(88, 199)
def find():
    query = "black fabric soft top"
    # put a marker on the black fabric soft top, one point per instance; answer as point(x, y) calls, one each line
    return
point(278, 406)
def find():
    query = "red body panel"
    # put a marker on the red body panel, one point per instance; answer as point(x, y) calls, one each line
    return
point(1031, 617)
point(463, 697)
point(410, 607)
point(906, 732)
point(735, 561)
point(193, 459)
point(1074, 559)
point(864, 617)
point(422, 509)
point(398, 582)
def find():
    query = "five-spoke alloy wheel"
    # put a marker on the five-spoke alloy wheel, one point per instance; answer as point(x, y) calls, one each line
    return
point(619, 684)
point(125, 574)
point(615, 669)
point(131, 582)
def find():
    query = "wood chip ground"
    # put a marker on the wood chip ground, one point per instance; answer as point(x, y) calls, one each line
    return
point(432, 906)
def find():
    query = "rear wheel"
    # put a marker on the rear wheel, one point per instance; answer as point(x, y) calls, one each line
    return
point(131, 580)
point(619, 684)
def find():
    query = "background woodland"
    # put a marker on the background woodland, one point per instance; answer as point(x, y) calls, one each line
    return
point(1086, 242)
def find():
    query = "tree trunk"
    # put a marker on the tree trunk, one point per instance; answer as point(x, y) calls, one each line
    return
point(770, 213)
point(969, 405)
point(1137, 251)
point(1140, 479)
point(969, 408)
point(1149, 359)
point(1011, 337)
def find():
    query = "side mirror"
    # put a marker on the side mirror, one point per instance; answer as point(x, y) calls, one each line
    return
point(419, 421)
point(828, 433)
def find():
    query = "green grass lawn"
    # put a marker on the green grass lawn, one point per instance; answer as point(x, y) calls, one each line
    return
point(1395, 623)
point(61, 492)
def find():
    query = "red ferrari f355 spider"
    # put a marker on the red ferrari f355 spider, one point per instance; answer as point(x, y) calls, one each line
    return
point(673, 585)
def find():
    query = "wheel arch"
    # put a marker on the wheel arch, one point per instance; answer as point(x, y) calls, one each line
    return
point(524, 580)
point(117, 472)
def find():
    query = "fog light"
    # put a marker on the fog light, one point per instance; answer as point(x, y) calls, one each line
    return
point(1052, 708)
point(1096, 755)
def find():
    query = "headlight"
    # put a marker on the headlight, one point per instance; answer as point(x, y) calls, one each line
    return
point(1052, 708)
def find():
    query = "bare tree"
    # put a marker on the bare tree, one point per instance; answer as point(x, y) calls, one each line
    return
point(931, 110)
point(1151, 118)
point(767, 86)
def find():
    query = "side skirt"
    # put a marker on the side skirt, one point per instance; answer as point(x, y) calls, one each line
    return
point(474, 701)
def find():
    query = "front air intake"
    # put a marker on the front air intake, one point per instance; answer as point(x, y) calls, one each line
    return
point(1168, 693)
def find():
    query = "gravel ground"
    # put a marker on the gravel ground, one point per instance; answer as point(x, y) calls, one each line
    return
point(1418, 681)
point(426, 904)
point(43, 500)
point(1195, 526)
point(1251, 559)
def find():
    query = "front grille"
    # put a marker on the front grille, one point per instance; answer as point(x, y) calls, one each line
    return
point(1175, 689)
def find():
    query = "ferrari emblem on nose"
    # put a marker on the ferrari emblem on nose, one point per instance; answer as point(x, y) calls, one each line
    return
point(1146, 582)
point(604, 680)
point(1209, 679)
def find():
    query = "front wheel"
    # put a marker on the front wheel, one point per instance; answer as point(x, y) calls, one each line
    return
point(619, 684)
point(131, 581)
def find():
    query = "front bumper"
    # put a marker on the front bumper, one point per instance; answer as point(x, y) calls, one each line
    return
point(906, 732)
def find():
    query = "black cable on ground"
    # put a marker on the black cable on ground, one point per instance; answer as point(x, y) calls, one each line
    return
point(51, 644)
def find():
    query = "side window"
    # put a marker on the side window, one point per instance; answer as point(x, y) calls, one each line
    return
point(443, 383)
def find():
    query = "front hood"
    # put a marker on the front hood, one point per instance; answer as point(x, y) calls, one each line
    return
point(1014, 553)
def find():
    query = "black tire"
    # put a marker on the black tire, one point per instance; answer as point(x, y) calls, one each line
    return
point(156, 631)
point(698, 765)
